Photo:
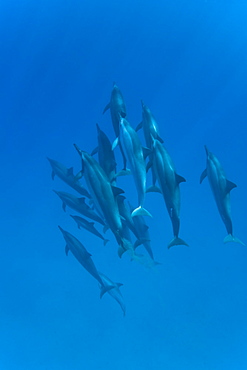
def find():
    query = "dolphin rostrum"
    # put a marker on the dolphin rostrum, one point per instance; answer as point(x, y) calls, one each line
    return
point(221, 188)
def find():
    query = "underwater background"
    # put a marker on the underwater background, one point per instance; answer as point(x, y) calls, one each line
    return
point(187, 61)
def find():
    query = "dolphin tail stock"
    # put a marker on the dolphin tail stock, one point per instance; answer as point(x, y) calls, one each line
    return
point(231, 238)
point(177, 241)
point(140, 211)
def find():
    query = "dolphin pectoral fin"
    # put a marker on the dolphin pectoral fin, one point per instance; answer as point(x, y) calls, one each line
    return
point(179, 178)
point(53, 175)
point(66, 249)
point(154, 189)
point(138, 127)
point(149, 165)
point(95, 150)
point(203, 175)
point(115, 143)
point(140, 211)
point(146, 152)
point(79, 175)
point(177, 241)
point(106, 227)
point(231, 238)
point(160, 139)
point(119, 284)
point(64, 206)
point(124, 172)
point(106, 241)
point(121, 251)
point(106, 108)
point(229, 186)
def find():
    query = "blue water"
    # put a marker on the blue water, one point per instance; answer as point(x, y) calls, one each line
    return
point(187, 61)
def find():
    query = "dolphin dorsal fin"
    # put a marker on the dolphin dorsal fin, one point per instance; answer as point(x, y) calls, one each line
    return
point(146, 152)
point(70, 171)
point(229, 186)
point(203, 175)
point(180, 178)
point(117, 191)
point(138, 127)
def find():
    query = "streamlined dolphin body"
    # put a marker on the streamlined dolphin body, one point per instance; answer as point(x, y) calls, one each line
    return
point(134, 154)
point(169, 182)
point(81, 254)
point(150, 129)
point(67, 175)
point(221, 188)
point(118, 109)
point(79, 205)
point(114, 291)
point(102, 192)
point(106, 155)
point(81, 222)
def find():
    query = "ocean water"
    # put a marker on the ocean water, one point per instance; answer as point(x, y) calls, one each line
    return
point(187, 61)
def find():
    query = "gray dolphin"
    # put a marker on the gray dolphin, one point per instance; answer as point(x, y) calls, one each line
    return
point(221, 188)
point(150, 129)
point(102, 192)
point(81, 254)
point(118, 109)
point(134, 154)
point(106, 155)
point(79, 205)
point(67, 175)
point(169, 182)
point(114, 291)
point(81, 222)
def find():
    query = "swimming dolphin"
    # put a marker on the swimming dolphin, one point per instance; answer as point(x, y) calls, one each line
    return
point(221, 188)
point(81, 254)
point(81, 222)
point(169, 182)
point(150, 129)
point(79, 205)
point(106, 155)
point(67, 175)
point(102, 192)
point(134, 153)
point(114, 290)
point(118, 109)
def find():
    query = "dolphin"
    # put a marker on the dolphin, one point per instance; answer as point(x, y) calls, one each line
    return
point(81, 222)
point(169, 182)
point(134, 153)
point(67, 175)
point(221, 188)
point(150, 129)
point(79, 205)
point(81, 254)
point(118, 109)
point(106, 155)
point(103, 193)
point(114, 290)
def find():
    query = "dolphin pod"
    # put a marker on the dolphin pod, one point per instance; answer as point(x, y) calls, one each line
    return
point(106, 205)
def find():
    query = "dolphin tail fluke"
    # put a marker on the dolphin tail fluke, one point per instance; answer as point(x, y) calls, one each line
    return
point(140, 211)
point(231, 238)
point(177, 241)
